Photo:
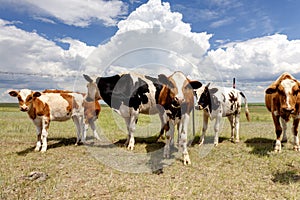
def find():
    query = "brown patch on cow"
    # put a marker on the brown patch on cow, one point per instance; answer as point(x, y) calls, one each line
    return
point(38, 108)
point(56, 91)
point(91, 110)
point(165, 96)
point(71, 101)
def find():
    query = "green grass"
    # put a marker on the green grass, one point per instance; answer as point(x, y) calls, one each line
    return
point(247, 170)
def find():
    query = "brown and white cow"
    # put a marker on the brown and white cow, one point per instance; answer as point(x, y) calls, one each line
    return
point(283, 101)
point(177, 98)
point(91, 113)
point(50, 106)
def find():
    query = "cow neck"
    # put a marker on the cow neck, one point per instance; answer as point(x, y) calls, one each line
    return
point(32, 111)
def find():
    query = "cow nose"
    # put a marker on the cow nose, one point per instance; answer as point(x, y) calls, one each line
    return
point(288, 110)
point(88, 99)
point(179, 100)
point(24, 108)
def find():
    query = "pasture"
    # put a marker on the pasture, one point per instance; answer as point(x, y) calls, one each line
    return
point(106, 170)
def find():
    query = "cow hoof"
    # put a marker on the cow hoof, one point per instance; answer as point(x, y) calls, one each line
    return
point(284, 140)
point(43, 150)
point(130, 148)
point(297, 148)
point(37, 148)
point(277, 150)
point(186, 160)
point(167, 156)
point(237, 141)
point(215, 144)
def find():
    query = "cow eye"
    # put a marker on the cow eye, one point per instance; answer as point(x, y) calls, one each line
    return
point(29, 98)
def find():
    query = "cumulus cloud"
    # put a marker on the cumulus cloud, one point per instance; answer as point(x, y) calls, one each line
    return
point(261, 58)
point(27, 53)
point(151, 38)
point(73, 12)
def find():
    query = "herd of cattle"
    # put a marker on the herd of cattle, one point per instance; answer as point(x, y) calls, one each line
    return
point(172, 98)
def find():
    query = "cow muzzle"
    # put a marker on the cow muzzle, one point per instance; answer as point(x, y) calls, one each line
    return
point(24, 108)
point(288, 110)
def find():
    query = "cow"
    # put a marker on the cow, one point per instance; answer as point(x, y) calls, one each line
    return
point(218, 102)
point(50, 106)
point(128, 94)
point(283, 101)
point(91, 113)
point(177, 98)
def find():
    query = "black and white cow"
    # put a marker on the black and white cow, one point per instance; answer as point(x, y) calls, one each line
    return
point(128, 94)
point(218, 102)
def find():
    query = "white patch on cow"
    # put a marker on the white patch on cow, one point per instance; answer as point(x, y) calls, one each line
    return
point(24, 93)
point(288, 85)
point(179, 79)
point(57, 105)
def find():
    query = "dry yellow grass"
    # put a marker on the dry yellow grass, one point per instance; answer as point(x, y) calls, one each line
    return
point(248, 170)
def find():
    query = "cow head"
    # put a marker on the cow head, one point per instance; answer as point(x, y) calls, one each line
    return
point(286, 87)
point(180, 89)
point(205, 96)
point(25, 98)
point(93, 91)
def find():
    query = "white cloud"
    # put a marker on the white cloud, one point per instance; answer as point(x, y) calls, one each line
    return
point(29, 60)
point(72, 12)
point(258, 58)
point(151, 38)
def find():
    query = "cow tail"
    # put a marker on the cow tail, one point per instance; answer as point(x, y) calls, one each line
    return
point(247, 113)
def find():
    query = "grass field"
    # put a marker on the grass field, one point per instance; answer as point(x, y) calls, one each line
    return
point(106, 170)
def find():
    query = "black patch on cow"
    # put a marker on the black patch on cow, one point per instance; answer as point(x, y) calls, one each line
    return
point(208, 99)
point(116, 90)
point(158, 86)
point(233, 100)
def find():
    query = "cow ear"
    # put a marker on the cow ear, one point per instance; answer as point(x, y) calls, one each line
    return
point(213, 90)
point(88, 78)
point(13, 93)
point(164, 80)
point(36, 94)
point(195, 84)
point(271, 90)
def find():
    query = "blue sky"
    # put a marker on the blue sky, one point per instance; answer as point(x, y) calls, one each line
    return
point(253, 40)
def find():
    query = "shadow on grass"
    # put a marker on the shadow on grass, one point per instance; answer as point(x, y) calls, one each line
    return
point(61, 142)
point(287, 177)
point(260, 146)
point(208, 140)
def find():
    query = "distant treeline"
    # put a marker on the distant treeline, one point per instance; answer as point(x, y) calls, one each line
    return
point(105, 105)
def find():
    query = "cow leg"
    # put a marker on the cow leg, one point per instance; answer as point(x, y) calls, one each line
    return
point(38, 126)
point(130, 123)
point(204, 128)
point(217, 129)
point(163, 121)
point(169, 138)
point(284, 128)
point(278, 129)
point(295, 132)
point(45, 126)
point(78, 123)
point(183, 129)
point(93, 127)
point(232, 126)
point(237, 127)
